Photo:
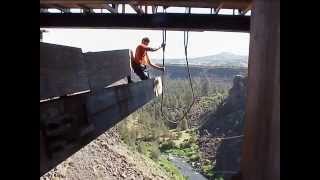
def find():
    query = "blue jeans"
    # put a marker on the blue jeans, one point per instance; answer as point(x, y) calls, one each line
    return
point(140, 70)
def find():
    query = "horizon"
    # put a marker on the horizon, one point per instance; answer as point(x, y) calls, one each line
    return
point(201, 44)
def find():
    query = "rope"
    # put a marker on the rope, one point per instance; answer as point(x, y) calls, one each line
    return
point(164, 39)
point(231, 137)
point(186, 41)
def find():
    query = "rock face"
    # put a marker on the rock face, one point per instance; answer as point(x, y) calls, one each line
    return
point(106, 158)
point(227, 121)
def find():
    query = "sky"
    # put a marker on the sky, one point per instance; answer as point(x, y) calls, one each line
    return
point(200, 43)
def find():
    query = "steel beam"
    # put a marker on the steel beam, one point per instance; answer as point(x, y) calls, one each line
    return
point(170, 21)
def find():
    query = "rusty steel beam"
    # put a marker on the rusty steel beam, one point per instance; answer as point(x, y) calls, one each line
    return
point(172, 21)
point(69, 123)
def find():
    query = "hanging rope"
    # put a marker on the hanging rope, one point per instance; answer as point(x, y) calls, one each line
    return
point(164, 39)
point(186, 41)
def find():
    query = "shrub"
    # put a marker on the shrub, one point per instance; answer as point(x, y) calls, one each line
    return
point(142, 148)
point(167, 145)
point(194, 158)
point(155, 154)
point(179, 135)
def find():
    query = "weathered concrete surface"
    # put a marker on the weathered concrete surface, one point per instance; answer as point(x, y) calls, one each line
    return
point(66, 70)
point(69, 123)
point(107, 67)
point(261, 150)
point(62, 71)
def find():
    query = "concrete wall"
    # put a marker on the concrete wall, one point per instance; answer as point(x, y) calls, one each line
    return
point(66, 70)
point(62, 70)
point(107, 67)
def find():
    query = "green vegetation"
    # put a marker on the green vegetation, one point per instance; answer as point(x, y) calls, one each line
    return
point(185, 146)
point(147, 131)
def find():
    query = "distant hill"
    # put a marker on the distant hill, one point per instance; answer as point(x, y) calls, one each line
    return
point(217, 72)
point(221, 59)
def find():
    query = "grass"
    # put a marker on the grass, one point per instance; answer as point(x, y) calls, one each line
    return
point(151, 150)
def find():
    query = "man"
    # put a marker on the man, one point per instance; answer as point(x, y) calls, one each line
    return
point(141, 59)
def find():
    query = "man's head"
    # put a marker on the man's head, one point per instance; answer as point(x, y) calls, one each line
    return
point(145, 41)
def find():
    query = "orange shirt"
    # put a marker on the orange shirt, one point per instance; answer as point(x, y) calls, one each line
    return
point(141, 56)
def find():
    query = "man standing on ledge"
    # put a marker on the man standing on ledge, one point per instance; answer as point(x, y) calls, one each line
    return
point(141, 59)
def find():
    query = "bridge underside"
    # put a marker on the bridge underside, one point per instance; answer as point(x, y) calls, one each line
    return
point(172, 21)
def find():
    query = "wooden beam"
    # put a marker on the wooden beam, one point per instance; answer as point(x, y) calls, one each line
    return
point(154, 10)
point(171, 21)
point(244, 11)
point(123, 8)
point(44, 10)
point(86, 8)
point(137, 9)
point(62, 8)
point(230, 4)
point(216, 11)
point(261, 148)
point(68, 124)
point(110, 9)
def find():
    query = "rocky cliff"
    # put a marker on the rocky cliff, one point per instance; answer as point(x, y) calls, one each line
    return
point(106, 158)
point(221, 135)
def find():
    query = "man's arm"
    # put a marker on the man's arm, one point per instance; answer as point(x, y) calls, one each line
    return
point(154, 49)
point(153, 65)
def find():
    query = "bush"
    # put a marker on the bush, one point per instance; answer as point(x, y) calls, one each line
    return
point(155, 154)
point(179, 135)
point(192, 140)
point(184, 124)
point(185, 145)
point(167, 145)
point(194, 158)
point(142, 148)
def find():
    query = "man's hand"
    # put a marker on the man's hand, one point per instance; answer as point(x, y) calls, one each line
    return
point(162, 69)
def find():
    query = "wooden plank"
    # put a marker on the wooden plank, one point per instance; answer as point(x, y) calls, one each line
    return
point(261, 148)
point(69, 123)
point(107, 67)
point(62, 71)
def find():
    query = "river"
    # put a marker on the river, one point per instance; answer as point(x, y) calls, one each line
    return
point(186, 169)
